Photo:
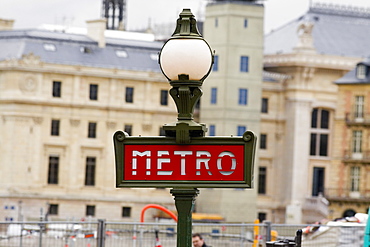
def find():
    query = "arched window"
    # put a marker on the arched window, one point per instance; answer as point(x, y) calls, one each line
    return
point(349, 213)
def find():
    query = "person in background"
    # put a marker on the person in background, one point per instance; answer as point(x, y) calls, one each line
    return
point(198, 241)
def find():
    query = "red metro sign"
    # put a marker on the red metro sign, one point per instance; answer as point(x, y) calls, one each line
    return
point(223, 162)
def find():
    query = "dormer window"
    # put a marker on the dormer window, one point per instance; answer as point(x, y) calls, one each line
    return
point(84, 49)
point(121, 53)
point(361, 71)
point(50, 47)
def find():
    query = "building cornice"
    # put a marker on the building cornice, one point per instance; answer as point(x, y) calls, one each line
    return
point(311, 60)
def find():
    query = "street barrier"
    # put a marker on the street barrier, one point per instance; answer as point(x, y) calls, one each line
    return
point(142, 234)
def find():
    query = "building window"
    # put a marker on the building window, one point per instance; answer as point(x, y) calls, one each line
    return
point(361, 71)
point(215, 63)
point(164, 97)
point(263, 141)
point(90, 171)
point(213, 95)
point(53, 170)
point(128, 129)
point(357, 141)
point(245, 23)
point(355, 179)
point(241, 130)
point(244, 64)
point(126, 212)
point(162, 132)
point(91, 133)
point(57, 89)
point(55, 127)
point(243, 96)
point(359, 106)
point(53, 209)
point(216, 22)
point(262, 180)
point(212, 130)
point(93, 92)
point(265, 105)
point(262, 217)
point(319, 132)
point(318, 180)
point(90, 210)
point(129, 97)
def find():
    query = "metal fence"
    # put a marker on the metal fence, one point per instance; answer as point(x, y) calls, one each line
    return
point(109, 234)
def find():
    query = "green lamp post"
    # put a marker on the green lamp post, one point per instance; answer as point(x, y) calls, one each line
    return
point(186, 60)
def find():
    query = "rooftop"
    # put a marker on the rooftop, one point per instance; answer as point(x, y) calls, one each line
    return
point(336, 30)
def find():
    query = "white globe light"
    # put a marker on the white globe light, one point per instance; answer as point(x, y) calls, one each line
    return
point(186, 56)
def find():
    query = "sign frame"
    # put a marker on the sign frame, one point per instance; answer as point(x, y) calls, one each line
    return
point(248, 140)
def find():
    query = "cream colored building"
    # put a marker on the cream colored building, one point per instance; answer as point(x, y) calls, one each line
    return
point(62, 97)
point(232, 93)
point(303, 58)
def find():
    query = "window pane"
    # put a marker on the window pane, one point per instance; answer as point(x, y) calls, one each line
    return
point(213, 95)
point(55, 127)
point(313, 144)
point(129, 95)
point(90, 210)
point(244, 60)
point(57, 88)
point(245, 23)
point(53, 209)
point(314, 118)
point(215, 63)
point(241, 130)
point(263, 141)
point(318, 181)
point(359, 107)
point(212, 130)
point(357, 141)
point(93, 91)
point(355, 178)
point(53, 170)
point(324, 119)
point(243, 96)
point(323, 145)
point(264, 108)
point(128, 129)
point(262, 180)
point(92, 130)
point(126, 212)
point(164, 97)
point(90, 171)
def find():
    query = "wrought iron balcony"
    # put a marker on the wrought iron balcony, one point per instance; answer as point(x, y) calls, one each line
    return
point(362, 157)
point(357, 119)
point(346, 194)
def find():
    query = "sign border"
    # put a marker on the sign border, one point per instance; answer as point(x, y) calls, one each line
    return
point(248, 139)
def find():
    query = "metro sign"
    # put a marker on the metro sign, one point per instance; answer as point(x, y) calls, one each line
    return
point(223, 162)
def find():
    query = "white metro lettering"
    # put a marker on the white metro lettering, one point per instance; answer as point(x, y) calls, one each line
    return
point(199, 162)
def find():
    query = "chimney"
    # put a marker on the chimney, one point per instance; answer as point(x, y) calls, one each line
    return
point(95, 30)
point(6, 24)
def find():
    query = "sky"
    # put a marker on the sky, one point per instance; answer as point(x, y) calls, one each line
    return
point(141, 13)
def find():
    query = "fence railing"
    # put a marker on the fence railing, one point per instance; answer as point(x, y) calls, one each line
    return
point(113, 234)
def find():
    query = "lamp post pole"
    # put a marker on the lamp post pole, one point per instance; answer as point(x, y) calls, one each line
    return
point(186, 60)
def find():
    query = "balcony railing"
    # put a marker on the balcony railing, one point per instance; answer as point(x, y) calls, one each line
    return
point(358, 119)
point(346, 194)
point(316, 207)
point(363, 156)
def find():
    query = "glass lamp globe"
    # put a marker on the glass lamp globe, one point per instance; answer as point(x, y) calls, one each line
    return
point(189, 56)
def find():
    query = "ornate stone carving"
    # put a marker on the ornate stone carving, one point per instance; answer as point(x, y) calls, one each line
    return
point(28, 84)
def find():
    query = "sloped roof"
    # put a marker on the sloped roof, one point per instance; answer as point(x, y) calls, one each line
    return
point(337, 30)
point(351, 78)
point(78, 49)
